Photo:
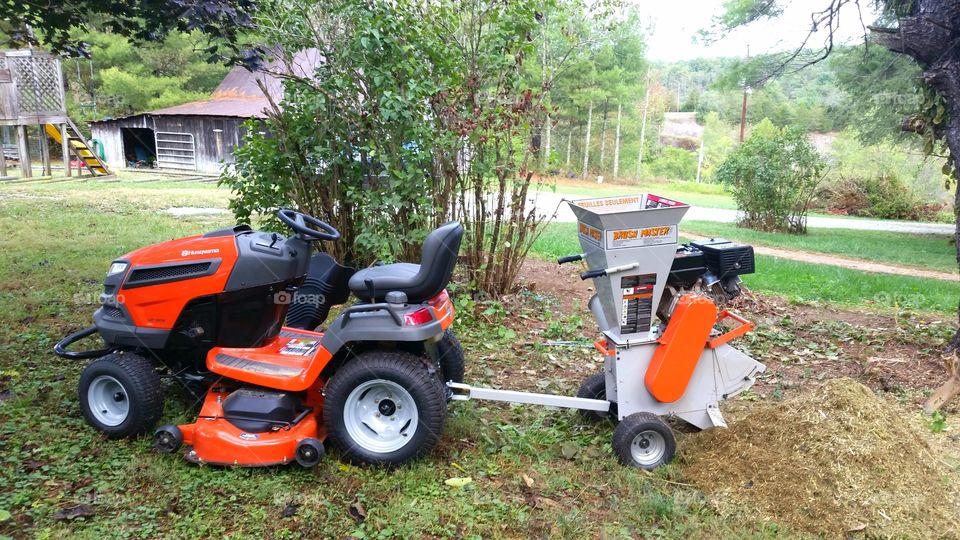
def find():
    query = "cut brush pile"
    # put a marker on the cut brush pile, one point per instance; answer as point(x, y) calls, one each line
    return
point(836, 460)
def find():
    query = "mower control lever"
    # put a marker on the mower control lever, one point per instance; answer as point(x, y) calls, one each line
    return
point(607, 271)
point(570, 258)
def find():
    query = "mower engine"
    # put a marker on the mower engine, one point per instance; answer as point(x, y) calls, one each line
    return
point(710, 267)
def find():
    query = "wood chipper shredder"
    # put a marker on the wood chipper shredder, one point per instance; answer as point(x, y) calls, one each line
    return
point(665, 351)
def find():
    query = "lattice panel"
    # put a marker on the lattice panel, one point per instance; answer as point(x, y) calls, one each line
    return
point(38, 85)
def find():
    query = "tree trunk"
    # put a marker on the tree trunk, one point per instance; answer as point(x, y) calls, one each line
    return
point(616, 145)
point(603, 136)
point(546, 144)
point(929, 35)
point(569, 148)
point(643, 126)
point(586, 141)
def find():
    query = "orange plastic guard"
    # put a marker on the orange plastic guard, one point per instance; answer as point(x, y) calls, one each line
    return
point(744, 327)
point(680, 348)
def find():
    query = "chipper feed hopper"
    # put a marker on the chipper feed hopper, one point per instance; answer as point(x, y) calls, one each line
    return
point(665, 351)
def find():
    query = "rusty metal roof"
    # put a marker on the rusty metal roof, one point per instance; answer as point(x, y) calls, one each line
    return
point(239, 94)
point(249, 107)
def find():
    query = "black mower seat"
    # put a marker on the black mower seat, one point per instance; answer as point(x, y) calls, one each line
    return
point(419, 282)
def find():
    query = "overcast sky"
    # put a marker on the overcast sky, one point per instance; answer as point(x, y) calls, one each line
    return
point(675, 23)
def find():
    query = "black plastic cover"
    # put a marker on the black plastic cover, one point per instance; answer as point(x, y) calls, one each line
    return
point(258, 410)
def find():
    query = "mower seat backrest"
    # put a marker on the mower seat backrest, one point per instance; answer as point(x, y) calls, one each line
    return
point(419, 282)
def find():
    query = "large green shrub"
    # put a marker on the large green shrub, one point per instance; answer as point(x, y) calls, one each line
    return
point(415, 113)
point(773, 176)
point(352, 142)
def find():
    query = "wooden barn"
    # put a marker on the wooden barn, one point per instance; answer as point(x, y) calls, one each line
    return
point(198, 137)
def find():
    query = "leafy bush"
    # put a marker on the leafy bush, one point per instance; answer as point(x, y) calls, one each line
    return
point(882, 181)
point(884, 196)
point(412, 117)
point(773, 176)
point(350, 144)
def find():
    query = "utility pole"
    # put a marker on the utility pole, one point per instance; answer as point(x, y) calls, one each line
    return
point(743, 109)
point(643, 124)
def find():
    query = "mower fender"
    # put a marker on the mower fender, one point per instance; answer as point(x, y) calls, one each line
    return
point(378, 326)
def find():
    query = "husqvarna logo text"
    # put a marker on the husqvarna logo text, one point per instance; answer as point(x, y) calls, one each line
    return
point(188, 252)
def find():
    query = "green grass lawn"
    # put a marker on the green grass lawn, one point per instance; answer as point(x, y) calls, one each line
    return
point(807, 282)
point(58, 241)
point(929, 251)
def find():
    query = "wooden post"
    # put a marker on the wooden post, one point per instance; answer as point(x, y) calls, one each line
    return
point(65, 142)
point(25, 170)
point(44, 151)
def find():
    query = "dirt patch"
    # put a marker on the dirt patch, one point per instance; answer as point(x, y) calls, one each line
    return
point(845, 262)
point(562, 282)
point(835, 460)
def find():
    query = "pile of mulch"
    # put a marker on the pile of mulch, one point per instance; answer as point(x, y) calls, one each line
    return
point(833, 461)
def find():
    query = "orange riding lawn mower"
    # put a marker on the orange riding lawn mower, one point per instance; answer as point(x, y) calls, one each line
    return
point(234, 316)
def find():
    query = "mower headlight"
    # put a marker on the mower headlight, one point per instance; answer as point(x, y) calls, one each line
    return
point(117, 268)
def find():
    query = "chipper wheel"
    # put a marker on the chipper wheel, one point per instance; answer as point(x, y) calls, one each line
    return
point(643, 440)
point(595, 387)
point(120, 395)
point(385, 408)
point(450, 354)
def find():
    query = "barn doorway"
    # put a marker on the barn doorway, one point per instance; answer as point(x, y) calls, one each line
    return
point(139, 148)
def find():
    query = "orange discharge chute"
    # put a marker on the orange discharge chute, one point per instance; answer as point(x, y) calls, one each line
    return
point(680, 348)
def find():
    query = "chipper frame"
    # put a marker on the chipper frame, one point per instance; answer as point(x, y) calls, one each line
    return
point(664, 351)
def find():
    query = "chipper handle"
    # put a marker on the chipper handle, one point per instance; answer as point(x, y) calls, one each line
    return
point(607, 271)
point(570, 258)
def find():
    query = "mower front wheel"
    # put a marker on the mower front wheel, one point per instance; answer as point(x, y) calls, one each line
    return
point(120, 395)
point(385, 408)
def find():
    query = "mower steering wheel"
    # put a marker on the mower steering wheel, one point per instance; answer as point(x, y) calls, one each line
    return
point(298, 221)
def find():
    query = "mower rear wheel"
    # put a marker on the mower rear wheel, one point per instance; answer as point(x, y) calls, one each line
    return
point(450, 356)
point(595, 387)
point(384, 408)
point(644, 440)
point(120, 395)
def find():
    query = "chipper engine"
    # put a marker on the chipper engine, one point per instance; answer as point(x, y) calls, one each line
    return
point(666, 352)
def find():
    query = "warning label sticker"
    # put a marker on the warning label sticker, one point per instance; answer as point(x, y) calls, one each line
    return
point(300, 347)
point(632, 238)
